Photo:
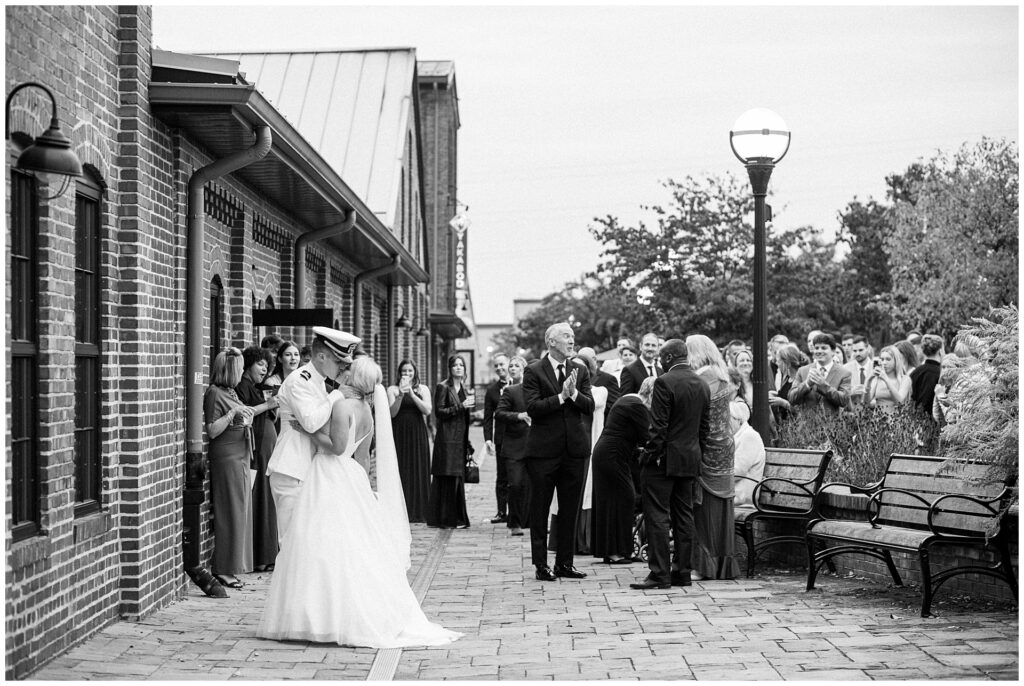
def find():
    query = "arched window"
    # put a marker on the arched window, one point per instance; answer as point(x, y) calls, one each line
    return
point(216, 317)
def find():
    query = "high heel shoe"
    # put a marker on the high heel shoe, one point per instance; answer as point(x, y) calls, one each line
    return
point(617, 560)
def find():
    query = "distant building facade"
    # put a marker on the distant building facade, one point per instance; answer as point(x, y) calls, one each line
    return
point(104, 461)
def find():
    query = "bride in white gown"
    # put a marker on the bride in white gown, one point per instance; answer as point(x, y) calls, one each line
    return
point(340, 576)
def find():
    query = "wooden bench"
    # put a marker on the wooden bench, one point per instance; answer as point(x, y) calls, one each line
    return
point(786, 493)
point(921, 502)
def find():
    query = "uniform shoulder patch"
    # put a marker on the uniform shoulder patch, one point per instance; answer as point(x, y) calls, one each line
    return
point(305, 374)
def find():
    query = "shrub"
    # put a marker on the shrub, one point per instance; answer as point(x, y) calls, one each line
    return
point(861, 439)
point(987, 427)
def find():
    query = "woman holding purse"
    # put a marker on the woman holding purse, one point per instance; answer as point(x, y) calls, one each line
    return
point(453, 401)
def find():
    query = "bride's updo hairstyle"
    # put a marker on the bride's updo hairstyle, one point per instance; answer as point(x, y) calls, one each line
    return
point(365, 374)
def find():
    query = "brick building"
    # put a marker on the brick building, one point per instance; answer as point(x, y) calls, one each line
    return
point(201, 204)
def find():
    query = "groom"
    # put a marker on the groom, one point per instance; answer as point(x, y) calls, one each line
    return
point(304, 397)
point(559, 403)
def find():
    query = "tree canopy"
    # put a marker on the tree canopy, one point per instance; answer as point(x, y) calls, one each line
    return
point(939, 250)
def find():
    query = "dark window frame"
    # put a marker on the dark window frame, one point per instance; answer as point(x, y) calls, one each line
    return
point(26, 505)
point(88, 355)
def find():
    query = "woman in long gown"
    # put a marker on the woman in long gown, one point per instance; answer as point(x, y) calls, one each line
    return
point(628, 428)
point(264, 516)
point(714, 545)
point(410, 405)
point(453, 400)
point(341, 576)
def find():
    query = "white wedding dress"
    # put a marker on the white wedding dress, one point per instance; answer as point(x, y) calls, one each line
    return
point(340, 577)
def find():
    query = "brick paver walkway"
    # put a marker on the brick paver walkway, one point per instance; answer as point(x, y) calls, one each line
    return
point(765, 628)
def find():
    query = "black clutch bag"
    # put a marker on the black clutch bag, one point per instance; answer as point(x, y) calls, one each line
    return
point(472, 475)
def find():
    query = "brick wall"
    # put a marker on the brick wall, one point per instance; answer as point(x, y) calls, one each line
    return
point(125, 561)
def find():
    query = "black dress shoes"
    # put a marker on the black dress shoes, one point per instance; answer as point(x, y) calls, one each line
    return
point(649, 583)
point(681, 579)
point(545, 574)
point(499, 519)
point(569, 572)
point(617, 560)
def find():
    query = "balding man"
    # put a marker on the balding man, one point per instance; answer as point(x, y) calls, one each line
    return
point(559, 403)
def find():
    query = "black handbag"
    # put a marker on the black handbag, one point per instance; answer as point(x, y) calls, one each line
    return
point(472, 472)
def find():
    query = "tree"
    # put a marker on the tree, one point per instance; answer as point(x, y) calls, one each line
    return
point(866, 281)
point(953, 250)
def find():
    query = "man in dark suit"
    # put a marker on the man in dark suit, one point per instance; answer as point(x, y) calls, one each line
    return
point(602, 379)
point(512, 415)
point(671, 460)
point(558, 401)
point(822, 384)
point(646, 365)
point(492, 435)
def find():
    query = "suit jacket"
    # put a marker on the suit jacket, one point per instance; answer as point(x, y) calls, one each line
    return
point(634, 374)
point(606, 380)
point(833, 398)
point(680, 423)
point(492, 429)
point(302, 397)
point(559, 429)
point(515, 430)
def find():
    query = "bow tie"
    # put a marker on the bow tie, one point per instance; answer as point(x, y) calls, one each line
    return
point(330, 384)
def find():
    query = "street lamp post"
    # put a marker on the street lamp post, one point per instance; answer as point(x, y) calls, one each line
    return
point(760, 139)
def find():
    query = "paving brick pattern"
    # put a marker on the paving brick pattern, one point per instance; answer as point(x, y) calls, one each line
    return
point(516, 628)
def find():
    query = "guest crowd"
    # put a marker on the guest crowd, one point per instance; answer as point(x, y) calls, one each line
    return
point(591, 458)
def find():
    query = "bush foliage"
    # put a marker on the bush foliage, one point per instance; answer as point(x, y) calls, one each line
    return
point(861, 439)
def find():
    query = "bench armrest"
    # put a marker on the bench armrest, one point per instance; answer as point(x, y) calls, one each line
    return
point(745, 478)
point(756, 494)
point(875, 505)
point(935, 510)
point(819, 497)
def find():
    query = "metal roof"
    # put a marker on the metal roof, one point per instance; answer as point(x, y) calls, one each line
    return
point(353, 106)
point(221, 117)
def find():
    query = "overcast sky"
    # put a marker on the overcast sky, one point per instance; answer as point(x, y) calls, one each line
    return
point(570, 113)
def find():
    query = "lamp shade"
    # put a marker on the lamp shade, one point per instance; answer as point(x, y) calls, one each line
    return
point(759, 136)
point(403, 323)
point(50, 154)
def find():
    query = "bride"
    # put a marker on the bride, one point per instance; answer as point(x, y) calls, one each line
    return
point(340, 576)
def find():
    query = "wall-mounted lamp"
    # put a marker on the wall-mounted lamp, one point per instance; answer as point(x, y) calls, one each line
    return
point(423, 331)
point(48, 154)
point(403, 322)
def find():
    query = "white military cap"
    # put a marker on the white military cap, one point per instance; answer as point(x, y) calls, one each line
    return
point(341, 343)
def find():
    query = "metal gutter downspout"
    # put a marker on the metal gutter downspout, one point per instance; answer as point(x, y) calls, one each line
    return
point(300, 253)
point(195, 470)
point(357, 292)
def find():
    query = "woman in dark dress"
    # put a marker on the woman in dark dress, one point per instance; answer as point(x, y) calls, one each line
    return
point(627, 429)
point(255, 362)
point(789, 359)
point(453, 401)
point(410, 406)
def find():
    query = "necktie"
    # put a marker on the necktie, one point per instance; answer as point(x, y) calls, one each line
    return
point(561, 375)
point(862, 376)
point(330, 385)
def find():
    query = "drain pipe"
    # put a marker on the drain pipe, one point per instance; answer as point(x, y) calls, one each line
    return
point(300, 253)
point(195, 469)
point(357, 292)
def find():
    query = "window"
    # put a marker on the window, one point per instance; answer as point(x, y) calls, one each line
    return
point(216, 316)
point(88, 466)
point(25, 510)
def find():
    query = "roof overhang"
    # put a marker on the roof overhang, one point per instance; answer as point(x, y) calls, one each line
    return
point(221, 117)
point(448, 325)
